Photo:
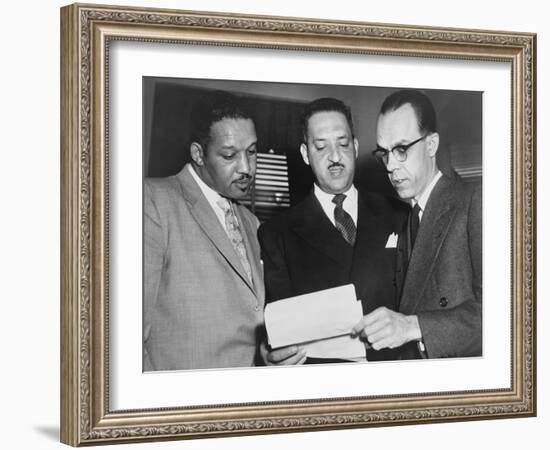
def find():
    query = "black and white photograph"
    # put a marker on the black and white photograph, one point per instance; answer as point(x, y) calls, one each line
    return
point(275, 224)
point(289, 224)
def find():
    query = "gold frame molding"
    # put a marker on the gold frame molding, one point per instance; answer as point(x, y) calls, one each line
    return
point(86, 31)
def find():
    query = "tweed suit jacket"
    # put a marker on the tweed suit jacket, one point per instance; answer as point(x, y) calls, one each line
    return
point(442, 284)
point(303, 252)
point(200, 309)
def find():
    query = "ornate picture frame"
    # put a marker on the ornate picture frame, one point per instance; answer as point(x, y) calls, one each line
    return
point(87, 33)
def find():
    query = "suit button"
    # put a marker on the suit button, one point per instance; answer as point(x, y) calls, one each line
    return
point(443, 302)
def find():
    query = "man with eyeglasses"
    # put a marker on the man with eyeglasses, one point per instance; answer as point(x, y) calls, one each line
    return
point(439, 269)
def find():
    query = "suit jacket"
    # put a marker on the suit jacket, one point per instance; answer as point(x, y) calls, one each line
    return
point(303, 252)
point(200, 309)
point(443, 282)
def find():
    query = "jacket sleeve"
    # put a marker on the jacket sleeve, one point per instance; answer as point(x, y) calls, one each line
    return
point(153, 260)
point(457, 331)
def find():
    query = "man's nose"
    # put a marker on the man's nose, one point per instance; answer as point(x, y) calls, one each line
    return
point(335, 154)
point(392, 163)
point(244, 164)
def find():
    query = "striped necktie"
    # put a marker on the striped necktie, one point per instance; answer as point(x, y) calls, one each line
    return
point(234, 234)
point(343, 221)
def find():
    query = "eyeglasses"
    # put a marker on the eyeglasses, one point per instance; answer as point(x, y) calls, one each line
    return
point(399, 152)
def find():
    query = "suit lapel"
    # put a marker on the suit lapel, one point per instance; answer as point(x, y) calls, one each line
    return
point(436, 219)
point(205, 217)
point(318, 231)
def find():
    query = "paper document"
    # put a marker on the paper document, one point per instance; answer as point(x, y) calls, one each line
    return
point(320, 322)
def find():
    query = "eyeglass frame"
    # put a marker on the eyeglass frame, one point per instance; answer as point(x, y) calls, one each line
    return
point(402, 151)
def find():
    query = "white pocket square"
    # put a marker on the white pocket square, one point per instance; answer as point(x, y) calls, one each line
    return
point(392, 241)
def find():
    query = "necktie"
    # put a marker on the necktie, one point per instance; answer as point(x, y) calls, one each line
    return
point(414, 221)
point(234, 233)
point(343, 221)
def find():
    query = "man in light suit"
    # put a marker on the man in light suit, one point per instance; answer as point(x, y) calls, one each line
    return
point(337, 235)
point(203, 283)
point(439, 252)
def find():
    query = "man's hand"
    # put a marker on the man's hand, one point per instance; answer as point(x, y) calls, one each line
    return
point(284, 356)
point(384, 328)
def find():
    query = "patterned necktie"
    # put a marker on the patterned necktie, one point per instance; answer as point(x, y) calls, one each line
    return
point(234, 233)
point(414, 221)
point(343, 220)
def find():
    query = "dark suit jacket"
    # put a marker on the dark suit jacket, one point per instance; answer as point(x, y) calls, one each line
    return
point(303, 252)
point(443, 282)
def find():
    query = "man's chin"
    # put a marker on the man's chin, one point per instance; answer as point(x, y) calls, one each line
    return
point(337, 188)
point(238, 194)
point(403, 194)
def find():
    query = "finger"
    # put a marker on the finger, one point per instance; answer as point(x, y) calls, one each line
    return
point(370, 319)
point(376, 327)
point(383, 343)
point(365, 342)
point(263, 352)
point(373, 327)
point(298, 358)
point(379, 336)
point(358, 327)
point(282, 355)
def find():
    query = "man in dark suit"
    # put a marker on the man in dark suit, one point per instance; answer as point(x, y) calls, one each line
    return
point(203, 282)
point(439, 252)
point(335, 236)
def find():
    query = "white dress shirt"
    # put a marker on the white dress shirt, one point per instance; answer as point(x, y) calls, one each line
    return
point(211, 195)
point(349, 205)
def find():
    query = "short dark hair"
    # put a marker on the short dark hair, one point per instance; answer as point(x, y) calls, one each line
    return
point(212, 108)
point(325, 104)
point(421, 104)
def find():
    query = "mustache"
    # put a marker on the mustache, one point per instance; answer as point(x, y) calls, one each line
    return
point(336, 164)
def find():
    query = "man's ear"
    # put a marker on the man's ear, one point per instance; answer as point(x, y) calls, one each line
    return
point(433, 144)
point(197, 153)
point(303, 151)
point(356, 147)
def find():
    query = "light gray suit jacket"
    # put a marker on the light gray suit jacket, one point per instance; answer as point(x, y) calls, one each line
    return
point(443, 283)
point(200, 309)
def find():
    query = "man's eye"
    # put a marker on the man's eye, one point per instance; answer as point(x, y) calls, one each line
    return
point(252, 152)
point(344, 142)
point(229, 156)
point(400, 149)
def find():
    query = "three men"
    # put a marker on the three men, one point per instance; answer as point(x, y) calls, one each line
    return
point(337, 235)
point(204, 290)
point(440, 263)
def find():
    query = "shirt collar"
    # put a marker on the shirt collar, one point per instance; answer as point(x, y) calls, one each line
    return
point(211, 195)
point(326, 199)
point(423, 199)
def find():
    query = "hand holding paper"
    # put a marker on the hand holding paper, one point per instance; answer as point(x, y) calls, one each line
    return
point(320, 323)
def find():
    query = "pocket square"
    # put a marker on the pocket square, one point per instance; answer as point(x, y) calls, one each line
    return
point(392, 241)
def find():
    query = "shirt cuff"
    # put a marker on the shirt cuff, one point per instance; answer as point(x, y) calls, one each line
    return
point(422, 349)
